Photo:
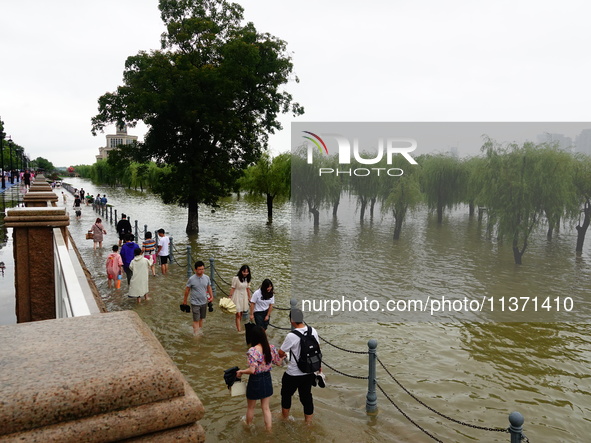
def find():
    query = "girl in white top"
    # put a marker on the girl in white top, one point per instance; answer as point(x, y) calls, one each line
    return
point(261, 304)
point(240, 293)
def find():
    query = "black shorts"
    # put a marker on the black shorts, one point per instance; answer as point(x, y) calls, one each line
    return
point(163, 259)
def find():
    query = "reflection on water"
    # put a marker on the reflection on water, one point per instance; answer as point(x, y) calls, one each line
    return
point(475, 372)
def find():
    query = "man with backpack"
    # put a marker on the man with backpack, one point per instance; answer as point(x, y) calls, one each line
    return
point(123, 228)
point(304, 358)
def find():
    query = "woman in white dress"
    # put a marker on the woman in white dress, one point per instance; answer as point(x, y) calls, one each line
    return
point(140, 267)
point(240, 293)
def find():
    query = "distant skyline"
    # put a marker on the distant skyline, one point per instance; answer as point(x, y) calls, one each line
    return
point(385, 61)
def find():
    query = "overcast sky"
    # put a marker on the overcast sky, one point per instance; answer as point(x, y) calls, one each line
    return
point(385, 60)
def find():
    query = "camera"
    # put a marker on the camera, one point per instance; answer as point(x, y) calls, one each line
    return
point(210, 306)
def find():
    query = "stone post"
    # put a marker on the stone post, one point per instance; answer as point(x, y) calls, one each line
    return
point(34, 278)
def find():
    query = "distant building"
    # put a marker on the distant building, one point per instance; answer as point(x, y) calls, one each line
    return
point(583, 142)
point(565, 143)
point(114, 140)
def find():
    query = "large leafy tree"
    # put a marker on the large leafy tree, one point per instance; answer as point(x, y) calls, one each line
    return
point(210, 97)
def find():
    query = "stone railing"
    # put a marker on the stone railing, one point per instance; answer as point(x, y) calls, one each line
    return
point(89, 376)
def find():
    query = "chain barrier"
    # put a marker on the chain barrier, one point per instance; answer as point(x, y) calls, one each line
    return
point(220, 288)
point(279, 327)
point(342, 373)
point(482, 428)
point(342, 349)
point(221, 278)
point(407, 417)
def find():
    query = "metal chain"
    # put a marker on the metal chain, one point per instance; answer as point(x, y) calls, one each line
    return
point(281, 309)
point(482, 428)
point(279, 327)
point(221, 278)
point(343, 349)
point(342, 373)
point(220, 288)
point(407, 417)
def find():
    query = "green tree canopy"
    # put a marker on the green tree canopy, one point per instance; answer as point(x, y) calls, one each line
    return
point(42, 163)
point(210, 97)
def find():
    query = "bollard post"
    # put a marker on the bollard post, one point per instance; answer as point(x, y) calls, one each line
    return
point(189, 270)
point(293, 303)
point(115, 216)
point(516, 428)
point(136, 233)
point(111, 213)
point(212, 273)
point(371, 403)
point(171, 249)
point(146, 230)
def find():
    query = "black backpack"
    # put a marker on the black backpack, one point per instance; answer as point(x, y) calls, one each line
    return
point(310, 356)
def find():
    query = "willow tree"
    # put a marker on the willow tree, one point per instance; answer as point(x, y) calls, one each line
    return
point(474, 167)
point(308, 189)
point(443, 182)
point(401, 194)
point(582, 184)
point(270, 178)
point(209, 97)
point(365, 187)
point(523, 185)
point(552, 175)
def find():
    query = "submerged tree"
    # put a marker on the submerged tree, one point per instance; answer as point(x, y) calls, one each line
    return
point(400, 194)
point(582, 183)
point(443, 182)
point(269, 177)
point(523, 184)
point(308, 189)
point(209, 97)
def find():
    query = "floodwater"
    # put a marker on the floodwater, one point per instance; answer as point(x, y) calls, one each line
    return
point(474, 372)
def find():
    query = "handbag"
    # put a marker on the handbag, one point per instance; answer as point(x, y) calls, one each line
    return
point(89, 235)
point(227, 306)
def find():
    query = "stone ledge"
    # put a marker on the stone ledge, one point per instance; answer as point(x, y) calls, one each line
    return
point(164, 421)
point(63, 370)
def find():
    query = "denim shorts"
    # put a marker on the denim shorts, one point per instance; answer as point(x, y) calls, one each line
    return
point(259, 386)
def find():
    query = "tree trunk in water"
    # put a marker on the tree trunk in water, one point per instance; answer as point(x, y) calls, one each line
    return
point(335, 207)
point(316, 215)
point(582, 230)
point(193, 221)
point(550, 230)
point(371, 207)
point(362, 210)
point(439, 213)
point(397, 228)
point(270, 208)
point(517, 255)
point(471, 206)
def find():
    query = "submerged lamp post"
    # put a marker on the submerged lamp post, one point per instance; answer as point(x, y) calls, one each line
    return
point(10, 143)
point(19, 164)
point(2, 135)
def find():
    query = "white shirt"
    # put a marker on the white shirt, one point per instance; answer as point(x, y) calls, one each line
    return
point(261, 305)
point(164, 242)
point(292, 343)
